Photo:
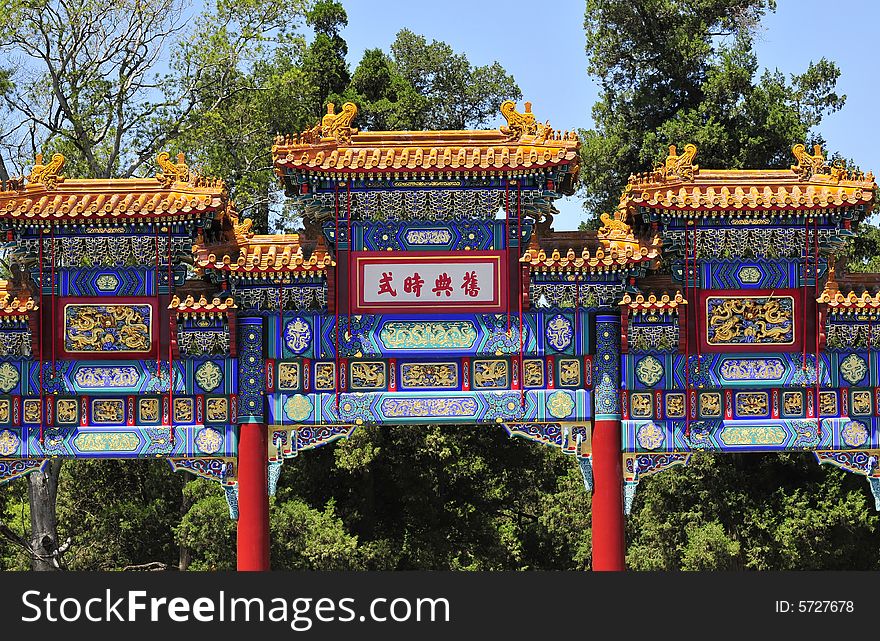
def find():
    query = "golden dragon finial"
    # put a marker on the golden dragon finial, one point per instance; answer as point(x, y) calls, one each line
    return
point(518, 124)
point(171, 172)
point(807, 164)
point(682, 166)
point(49, 174)
point(614, 226)
point(243, 231)
point(338, 125)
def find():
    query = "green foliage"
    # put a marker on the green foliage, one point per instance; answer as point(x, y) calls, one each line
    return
point(863, 250)
point(251, 85)
point(324, 64)
point(119, 513)
point(423, 85)
point(16, 514)
point(304, 538)
point(432, 497)
point(675, 72)
point(758, 512)
point(206, 529)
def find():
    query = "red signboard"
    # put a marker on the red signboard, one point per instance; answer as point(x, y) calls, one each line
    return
point(428, 282)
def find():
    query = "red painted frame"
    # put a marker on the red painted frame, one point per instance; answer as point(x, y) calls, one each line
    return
point(149, 301)
point(798, 317)
point(360, 259)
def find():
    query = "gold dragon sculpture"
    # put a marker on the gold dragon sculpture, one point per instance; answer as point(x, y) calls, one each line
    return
point(337, 126)
point(171, 172)
point(807, 164)
point(681, 167)
point(48, 174)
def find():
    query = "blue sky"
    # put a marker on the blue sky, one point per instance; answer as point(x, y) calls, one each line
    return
point(542, 45)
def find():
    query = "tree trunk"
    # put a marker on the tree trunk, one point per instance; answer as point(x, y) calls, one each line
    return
point(42, 492)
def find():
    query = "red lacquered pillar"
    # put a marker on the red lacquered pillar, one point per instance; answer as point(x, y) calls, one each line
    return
point(253, 451)
point(609, 545)
point(253, 498)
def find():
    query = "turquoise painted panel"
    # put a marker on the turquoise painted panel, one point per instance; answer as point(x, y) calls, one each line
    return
point(759, 435)
point(402, 408)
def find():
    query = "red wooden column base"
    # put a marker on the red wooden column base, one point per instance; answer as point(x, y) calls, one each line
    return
point(609, 545)
point(253, 498)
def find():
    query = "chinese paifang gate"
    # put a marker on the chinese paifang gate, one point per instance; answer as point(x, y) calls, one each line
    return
point(143, 319)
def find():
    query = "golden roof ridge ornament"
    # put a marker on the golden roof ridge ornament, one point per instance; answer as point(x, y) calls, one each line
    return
point(520, 124)
point(338, 125)
point(242, 230)
point(48, 174)
point(615, 232)
point(680, 167)
point(172, 172)
point(808, 164)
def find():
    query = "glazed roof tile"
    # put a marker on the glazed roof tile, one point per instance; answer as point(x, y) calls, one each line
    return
point(849, 300)
point(263, 253)
point(653, 302)
point(858, 292)
point(191, 306)
point(334, 145)
point(601, 259)
point(15, 306)
point(679, 184)
point(47, 195)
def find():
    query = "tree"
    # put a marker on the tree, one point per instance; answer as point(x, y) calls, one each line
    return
point(386, 100)
point(87, 84)
point(88, 79)
point(673, 71)
point(324, 64)
point(756, 512)
point(254, 87)
point(423, 85)
point(5, 88)
point(448, 497)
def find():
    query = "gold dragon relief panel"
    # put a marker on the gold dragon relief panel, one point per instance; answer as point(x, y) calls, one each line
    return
point(148, 410)
point(368, 375)
point(752, 404)
point(183, 410)
point(569, 372)
point(675, 405)
point(860, 402)
point(710, 404)
point(792, 404)
point(429, 375)
point(217, 410)
point(100, 327)
point(750, 320)
point(325, 376)
point(66, 411)
point(491, 374)
point(108, 411)
point(641, 405)
point(828, 403)
point(31, 410)
point(533, 372)
point(288, 376)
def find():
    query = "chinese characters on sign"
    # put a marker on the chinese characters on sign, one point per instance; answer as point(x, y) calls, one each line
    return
point(418, 281)
point(442, 285)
